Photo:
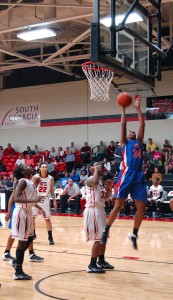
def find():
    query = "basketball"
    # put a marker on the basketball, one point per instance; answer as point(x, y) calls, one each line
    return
point(124, 99)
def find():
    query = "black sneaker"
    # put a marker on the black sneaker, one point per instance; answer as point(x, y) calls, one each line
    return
point(6, 256)
point(35, 258)
point(13, 263)
point(133, 238)
point(104, 238)
point(95, 269)
point(51, 242)
point(105, 265)
point(20, 275)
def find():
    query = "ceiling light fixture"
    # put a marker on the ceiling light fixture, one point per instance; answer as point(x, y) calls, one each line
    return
point(31, 35)
point(132, 18)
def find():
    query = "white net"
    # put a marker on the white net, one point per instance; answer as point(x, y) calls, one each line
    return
point(99, 80)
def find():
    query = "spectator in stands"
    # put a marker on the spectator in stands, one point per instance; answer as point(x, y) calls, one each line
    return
point(39, 164)
point(35, 150)
point(46, 155)
point(101, 153)
point(20, 160)
point(58, 157)
point(73, 148)
point(169, 165)
point(2, 166)
point(155, 201)
point(165, 146)
point(51, 168)
point(7, 184)
point(1, 151)
point(129, 207)
point(29, 161)
point(37, 158)
point(10, 182)
point(157, 158)
point(118, 157)
point(109, 201)
point(83, 178)
point(110, 150)
point(113, 168)
point(5, 181)
point(157, 175)
point(9, 150)
point(61, 151)
point(52, 153)
point(75, 176)
point(64, 180)
point(151, 145)
point(84, 168)
point(144, 148)
point(70, 192)
point(70, 161)
point(169, 153)
point(106, 164)
point(107, 175)
point(85, 152)
point(27, 151)
point(147, 167)
point(149, 154)
point(66, 151)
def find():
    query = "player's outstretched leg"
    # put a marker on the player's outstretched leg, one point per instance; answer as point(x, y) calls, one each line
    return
point(137, 222)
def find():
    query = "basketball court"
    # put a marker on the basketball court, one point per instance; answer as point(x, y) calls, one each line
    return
point(144, 274)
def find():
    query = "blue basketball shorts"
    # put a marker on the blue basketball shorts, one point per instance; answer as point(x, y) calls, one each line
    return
point(131, 182)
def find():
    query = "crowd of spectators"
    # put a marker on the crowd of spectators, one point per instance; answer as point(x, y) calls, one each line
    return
point(62, 164)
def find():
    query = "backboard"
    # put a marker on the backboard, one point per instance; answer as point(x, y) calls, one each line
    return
point(123, 40)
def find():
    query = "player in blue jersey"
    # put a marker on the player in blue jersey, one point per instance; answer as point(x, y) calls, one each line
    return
point(131, 178)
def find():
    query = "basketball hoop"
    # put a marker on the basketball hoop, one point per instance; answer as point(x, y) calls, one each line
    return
point(99, 80)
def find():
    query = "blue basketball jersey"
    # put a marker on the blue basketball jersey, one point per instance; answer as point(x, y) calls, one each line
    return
point(131, 178)
point(132, 155)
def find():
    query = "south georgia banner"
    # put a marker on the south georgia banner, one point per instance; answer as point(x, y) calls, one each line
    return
point(19, 116)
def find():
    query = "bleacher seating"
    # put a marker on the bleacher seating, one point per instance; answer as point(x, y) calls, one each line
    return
point(167, 183)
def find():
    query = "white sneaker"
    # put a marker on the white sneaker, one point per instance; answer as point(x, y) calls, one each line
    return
point(35, 258)
point(133, 238)
point(6, 256)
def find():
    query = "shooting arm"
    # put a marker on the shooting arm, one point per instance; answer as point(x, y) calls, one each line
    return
point(123, 127)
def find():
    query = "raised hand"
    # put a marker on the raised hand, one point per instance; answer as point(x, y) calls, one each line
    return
point(137, 102)
point(97, 167)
